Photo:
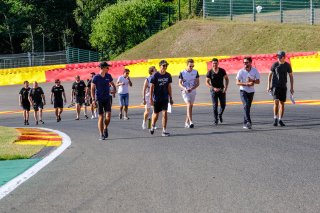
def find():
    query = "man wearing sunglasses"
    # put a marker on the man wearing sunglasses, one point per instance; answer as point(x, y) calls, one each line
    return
point(188, 82)
point(57, 92)
point(247, 77)
point(160, 96)
point(278, 75)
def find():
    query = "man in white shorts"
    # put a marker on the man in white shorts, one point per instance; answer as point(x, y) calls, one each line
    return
point(188, 82)
point(146, 96)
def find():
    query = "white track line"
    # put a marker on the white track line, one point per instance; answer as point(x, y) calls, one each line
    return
point(17, 181)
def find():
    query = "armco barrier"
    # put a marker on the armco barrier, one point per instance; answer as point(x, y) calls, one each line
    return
point(300, 61)
point(19, 75)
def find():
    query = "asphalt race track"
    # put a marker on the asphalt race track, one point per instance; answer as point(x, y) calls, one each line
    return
point(222, 168)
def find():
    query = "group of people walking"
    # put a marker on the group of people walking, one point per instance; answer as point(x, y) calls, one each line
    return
point(157, 93)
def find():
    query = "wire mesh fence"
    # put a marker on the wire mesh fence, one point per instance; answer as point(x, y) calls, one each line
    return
point(282, 11)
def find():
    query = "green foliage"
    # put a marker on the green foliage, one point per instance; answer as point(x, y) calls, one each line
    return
point(124, 25)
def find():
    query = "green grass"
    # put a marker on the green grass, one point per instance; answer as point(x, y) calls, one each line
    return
point(194, 37)
point(11, 151)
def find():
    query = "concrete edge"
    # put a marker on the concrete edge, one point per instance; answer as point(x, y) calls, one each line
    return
point(17, 181)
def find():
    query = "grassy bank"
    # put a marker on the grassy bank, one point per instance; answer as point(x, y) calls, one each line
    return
point(11, 151)
point(190, 38)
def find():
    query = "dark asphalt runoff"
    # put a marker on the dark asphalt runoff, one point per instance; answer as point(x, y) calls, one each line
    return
point(222, 168)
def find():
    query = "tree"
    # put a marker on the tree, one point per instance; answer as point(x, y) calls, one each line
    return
point(124, 25)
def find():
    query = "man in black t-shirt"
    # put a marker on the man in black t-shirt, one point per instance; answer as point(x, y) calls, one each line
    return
point(160, 96)
point(79, 92)
point(24, 101)
point(37, 100)
point(57, 92)
point(214, 80)
point(278, 76)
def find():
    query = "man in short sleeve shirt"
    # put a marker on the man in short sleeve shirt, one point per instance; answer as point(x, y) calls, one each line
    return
point(57, 96)
point(188, 82)
point(78, 92)
point(100, 87)
point(37, 100)
point(278, 77)
point(214, 80)
point(24, 101)
point(160, 96)
point(247, 77)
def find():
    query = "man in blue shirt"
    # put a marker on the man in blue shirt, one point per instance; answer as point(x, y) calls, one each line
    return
point(100, 86)
point(160, 96)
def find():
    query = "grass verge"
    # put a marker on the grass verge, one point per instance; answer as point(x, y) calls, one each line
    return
point(196, 38)
point(11, 151)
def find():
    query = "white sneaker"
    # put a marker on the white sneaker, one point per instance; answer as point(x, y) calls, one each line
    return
point(144, 126)
point(186, 125)
point(126, 118)
point(92, 117)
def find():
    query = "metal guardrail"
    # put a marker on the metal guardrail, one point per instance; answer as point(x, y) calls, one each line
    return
point(282, 11)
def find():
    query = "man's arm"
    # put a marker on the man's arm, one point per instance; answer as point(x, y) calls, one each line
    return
point(269, 81)
point(239, 83)
point(197, 84)
point(51, 96)
point(144, 89)
point(130, 83)
point(208, 83)
point(64, 96)
point(226, 79)
point(114, 87)
point(181, 84)
point(170, 93)
point(151, 93)
point(291, 82)
point(20, 100)
point(44, 99)
point(72, 95)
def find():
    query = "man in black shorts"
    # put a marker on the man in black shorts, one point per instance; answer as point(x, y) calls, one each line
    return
point(278, 75)
point(37, 100)
point(160, 96)
point(100, 87)
point(24, 101)
point(214, 80)
point(56, 98)
point(78, 92)
point(89, 97)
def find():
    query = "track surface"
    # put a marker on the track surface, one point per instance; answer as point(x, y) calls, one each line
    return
point(206, 169)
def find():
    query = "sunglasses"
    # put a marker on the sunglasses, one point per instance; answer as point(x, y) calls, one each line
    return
point(246, 62)
point(191, 66)
point(164, 65)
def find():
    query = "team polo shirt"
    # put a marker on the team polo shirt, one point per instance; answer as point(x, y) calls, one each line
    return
point(189, 78)
point(243, 76)
point(161, 83)
point(123, 89)
point(57, 92)
point(79, 88)
point(36, 94)
point(102, 86)
point(24, 92)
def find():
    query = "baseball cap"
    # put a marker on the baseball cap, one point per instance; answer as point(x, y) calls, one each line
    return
point(104, 64)
point(92, 73)
point(281, 54)
point(163, 62)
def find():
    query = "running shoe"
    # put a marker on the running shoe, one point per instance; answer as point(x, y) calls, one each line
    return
point(41, 121)
point(126, 118)
point(281, 123)
point(249, 125)
point(186, 125)
point(220, 118)
point(275, 122)
point(102, 138)
point(92, 117)
point(105, 133)
point(27, 122)
point(151, 130)
point(165, 134)
point(191, 125)
point(77, 119)
point(144, 126)
point(120, 116)
point(37, 122)
point(86, 116)
point(216, 122)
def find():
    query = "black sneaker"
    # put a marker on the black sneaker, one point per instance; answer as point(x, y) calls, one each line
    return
point(275, 122)
point(37, 122)
point(249, 125)
point(165, 134)
point(151, 130)
point(120, 116)
point(281, 123)
point(102, 138)
point(27, 122)
point(58, 120)
point(220, 118)
point(86, 116)
point(191, 125)
point(216, 122)
point(59, 117)
point(105, 133)
point(41, 121)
